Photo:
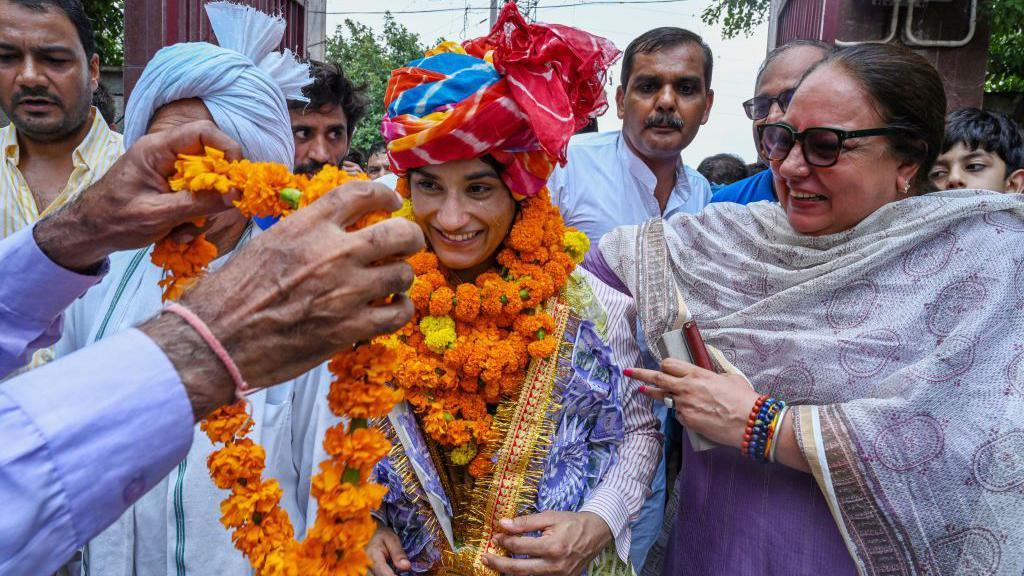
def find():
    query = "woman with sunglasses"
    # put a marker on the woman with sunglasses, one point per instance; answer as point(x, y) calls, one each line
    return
point(872, 421)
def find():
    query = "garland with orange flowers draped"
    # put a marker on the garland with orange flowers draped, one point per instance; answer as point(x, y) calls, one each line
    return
point(262, 530)
point(470, 344)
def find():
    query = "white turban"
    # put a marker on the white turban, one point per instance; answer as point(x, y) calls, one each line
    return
point(243, 83)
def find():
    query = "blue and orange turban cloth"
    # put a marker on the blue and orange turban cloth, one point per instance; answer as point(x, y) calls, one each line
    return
point(517, 94)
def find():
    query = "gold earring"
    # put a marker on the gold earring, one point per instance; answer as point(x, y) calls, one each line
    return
point(906, 189)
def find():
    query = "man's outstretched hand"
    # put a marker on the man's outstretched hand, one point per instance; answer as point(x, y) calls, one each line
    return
point(296, 294)
point(131, 205)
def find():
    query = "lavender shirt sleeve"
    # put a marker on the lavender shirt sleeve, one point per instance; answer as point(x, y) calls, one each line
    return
point(34, 291)
point(81, 439)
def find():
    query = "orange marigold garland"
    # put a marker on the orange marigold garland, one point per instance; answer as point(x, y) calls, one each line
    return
point(467, 348)
point(469, 344)
point(262, 530)
point(266, 189)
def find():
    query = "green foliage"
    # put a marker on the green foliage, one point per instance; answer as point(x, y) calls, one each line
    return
point(368, 59)
point(107, 18)
point(736, 16)
point(1005, 71)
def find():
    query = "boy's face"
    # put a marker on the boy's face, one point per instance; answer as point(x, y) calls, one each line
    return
point(961, 167)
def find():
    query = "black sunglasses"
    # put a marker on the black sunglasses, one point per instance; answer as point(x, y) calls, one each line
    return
point(758, 107)
point(821, 146)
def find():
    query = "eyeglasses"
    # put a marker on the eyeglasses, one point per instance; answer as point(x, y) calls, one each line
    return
point(821, 146)
point(758, 107)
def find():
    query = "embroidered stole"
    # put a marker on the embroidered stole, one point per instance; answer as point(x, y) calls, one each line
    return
point(526, 423)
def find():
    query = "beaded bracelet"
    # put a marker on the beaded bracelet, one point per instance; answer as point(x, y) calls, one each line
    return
point(759, 427)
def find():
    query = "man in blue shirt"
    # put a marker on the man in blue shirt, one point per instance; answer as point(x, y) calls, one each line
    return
point(777, 78)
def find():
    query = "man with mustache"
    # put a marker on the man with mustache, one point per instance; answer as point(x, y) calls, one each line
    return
point(57, 144)
point(619, 178)
point(627, 177)
point(324, 125)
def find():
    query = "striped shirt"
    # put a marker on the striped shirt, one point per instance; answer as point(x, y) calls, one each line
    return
point(92, 158)
point(620, 495)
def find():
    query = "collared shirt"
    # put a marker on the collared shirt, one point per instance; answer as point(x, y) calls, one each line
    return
point(749, 190)
point(85, 437)
point(619, 497)
point(605, 185)
point(100, 148)
point(34, 291)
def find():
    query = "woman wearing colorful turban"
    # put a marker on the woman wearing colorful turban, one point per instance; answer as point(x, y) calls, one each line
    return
point(518, 420)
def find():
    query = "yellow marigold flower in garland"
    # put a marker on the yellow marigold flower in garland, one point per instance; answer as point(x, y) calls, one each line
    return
point(405, 211)
point(462, 455)
point(468, 348)
point(261, 185)
point(261, 528)
point(202, 172)
point(576, 244)
point(439, 332)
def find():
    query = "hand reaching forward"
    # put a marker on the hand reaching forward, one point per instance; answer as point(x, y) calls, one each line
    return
point(296, 294)
point(568, 542)
point(716, 405)
point(131, 205)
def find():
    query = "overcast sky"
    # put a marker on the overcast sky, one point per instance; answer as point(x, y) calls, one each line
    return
point(736, 61)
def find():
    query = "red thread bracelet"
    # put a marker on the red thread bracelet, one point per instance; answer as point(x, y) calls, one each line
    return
point(197, 324)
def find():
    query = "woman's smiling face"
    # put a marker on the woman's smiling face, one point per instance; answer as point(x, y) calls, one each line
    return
point(465, 210)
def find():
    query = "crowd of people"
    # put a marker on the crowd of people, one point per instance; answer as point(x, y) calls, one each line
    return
point(849, 405)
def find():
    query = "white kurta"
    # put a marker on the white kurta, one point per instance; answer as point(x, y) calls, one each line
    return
point(605, 185)
point(174, 529)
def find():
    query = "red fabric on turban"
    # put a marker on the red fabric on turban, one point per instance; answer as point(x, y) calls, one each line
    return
point(546, 82)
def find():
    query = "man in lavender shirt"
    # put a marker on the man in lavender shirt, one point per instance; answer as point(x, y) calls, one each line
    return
point(86, 436)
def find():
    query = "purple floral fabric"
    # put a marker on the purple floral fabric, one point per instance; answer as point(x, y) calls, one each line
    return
point(590, 426)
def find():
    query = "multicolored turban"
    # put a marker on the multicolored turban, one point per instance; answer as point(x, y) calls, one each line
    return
point(517, 95)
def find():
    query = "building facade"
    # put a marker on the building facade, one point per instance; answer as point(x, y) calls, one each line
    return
point(951, 34)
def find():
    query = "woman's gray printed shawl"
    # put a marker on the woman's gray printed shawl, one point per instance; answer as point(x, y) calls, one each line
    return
point(902, 340)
